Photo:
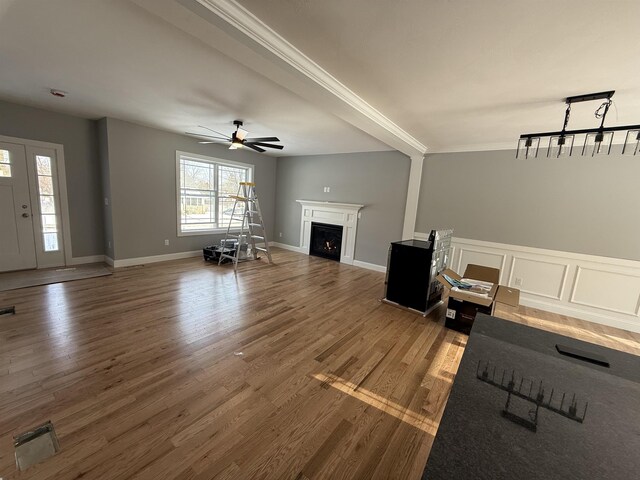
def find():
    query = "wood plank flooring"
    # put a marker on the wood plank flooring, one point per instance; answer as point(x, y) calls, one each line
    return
point(183, 370)
point(31, 278)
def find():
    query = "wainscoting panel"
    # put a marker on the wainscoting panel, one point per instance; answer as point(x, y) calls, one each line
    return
point(545, 279)
point(624, 298)
point(477, 257)
point(598, 289)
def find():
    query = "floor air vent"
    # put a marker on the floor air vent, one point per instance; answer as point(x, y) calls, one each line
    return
point(35, 445)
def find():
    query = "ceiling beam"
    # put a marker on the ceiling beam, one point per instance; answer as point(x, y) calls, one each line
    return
point(244, 37)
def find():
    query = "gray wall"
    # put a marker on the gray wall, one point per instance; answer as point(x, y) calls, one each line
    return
point(79, 138)
point(142, 169)
point(103, 158)
point(377, 180)
point(579, 204)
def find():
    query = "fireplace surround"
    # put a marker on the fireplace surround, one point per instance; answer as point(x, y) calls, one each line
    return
point(333, 213)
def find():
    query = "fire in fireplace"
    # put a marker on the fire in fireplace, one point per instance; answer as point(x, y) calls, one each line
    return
point(326, 241)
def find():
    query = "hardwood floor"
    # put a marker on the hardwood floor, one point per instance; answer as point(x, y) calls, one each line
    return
point(183, 370)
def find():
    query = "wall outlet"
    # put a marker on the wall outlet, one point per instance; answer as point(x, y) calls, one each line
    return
point(166, 243)
point(327, 189)
point(518, 282)
point(280, 234)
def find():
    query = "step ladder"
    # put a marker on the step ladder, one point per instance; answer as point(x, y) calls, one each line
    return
point(246, 209)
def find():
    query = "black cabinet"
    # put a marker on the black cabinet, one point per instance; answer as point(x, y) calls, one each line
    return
point(412, 268)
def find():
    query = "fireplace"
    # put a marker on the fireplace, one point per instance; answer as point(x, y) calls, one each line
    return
point(326, 241)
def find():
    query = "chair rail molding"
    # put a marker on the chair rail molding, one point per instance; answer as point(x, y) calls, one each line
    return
point(598, 289)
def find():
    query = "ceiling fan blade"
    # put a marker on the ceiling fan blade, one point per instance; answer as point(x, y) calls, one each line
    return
point(206, 143)
point(257, 149)
point(268, 145)
point(208, 136)
point(241, 133)
point(263, 139)
point(212, 130)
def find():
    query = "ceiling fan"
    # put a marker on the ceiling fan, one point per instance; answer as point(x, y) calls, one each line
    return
point(238, 139)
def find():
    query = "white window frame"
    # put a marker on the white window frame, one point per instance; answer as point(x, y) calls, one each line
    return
point(32, 147)
point(203, 158)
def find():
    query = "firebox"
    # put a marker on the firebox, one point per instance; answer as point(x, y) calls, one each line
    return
point(326, 240)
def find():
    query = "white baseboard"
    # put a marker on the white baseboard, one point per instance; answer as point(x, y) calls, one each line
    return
point(528, 301)
point(109, 261)
point(593, 288)
point(288, 247)
point(356, 263)
point(369, 266)
point(88, 259)
point(129, 262)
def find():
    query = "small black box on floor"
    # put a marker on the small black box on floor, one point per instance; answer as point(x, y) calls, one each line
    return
point(460, 314)
point(212, 253)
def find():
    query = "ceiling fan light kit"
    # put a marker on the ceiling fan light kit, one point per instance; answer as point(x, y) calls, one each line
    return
point(238, 139)
point(597, 141)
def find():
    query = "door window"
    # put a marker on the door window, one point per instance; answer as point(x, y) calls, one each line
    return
point(5, 163)
point(47, 203)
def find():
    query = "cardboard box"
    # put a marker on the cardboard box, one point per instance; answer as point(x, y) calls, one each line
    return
point(462, 306)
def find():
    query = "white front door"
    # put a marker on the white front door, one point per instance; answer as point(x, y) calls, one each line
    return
point(17, 245)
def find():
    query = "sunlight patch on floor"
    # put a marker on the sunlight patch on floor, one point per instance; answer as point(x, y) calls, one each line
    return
point(379, 402)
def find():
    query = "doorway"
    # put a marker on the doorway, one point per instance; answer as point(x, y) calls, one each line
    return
point(33, 233)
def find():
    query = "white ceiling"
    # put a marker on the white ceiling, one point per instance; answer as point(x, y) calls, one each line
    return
point(463, 74)
point(119, 60)
point(454, 75)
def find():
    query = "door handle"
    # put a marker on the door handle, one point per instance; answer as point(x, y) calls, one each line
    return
point(25, 215)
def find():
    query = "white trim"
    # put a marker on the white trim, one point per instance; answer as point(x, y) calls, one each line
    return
point(89, 259)
point(252, 27)
point(213, 160)
point(502, 256)
point(335, 205)
point(284, 246)
point(129, 262)
point(356, 263)
point(369, 266)
point(62, 187)
point(579, 313)
point(54, 258)
point(345, 215)
point(617, 302)
point(413, 195)
point(563, 282)
point(542, 251)
point(220, 161)
point(572, 299)
point(109, 261)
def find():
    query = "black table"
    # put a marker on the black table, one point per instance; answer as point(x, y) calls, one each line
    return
point(481, 437)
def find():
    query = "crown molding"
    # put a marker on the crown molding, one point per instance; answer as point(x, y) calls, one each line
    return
point(248, 24)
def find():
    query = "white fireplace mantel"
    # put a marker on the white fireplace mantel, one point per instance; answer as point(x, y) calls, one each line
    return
point(333, 213)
